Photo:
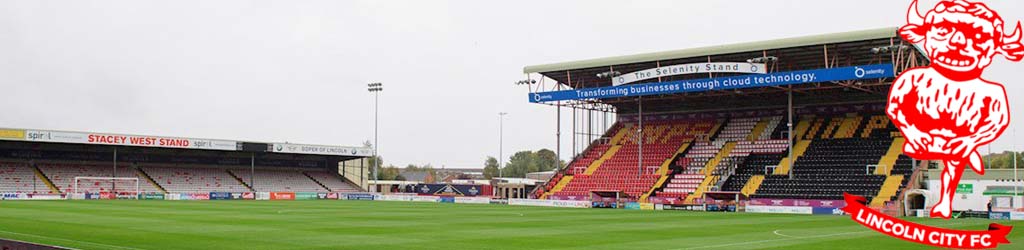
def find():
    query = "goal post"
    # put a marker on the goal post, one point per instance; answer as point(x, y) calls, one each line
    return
point(118, 186)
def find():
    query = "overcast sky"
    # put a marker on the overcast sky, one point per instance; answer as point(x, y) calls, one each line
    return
point(297, 71)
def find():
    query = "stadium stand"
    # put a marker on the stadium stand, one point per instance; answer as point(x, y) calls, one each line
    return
point(613, 166)
point(194, 179)
point(62, 175)
point(332, 181)
point(18, 177)
point(272, 180)
point(837, 161)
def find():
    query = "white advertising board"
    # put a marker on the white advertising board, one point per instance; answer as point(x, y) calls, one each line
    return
point(690, 68)
point(549, 203)
point(473, 200)
point(780, 210)
point(320, 149)
point(128, 140)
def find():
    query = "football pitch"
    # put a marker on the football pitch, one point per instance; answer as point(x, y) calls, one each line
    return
point(332, 224)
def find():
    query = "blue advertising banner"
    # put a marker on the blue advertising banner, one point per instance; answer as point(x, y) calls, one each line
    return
point(826, 211)
point(862, 72)
point(220, 196)
point(447, 189)
point(447, 199)
point(998, 215)
point(360, 197)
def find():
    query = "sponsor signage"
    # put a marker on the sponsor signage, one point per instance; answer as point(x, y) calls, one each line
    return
point(13, 196)
point(632, 206)
point(320, 149)
point(862, 72)
point(549, 203)
point(570, 197)
point(12, 134)
point(282, 196)
point(152, 196)
point(305, 196)
point(965, 188)
point(248, 196)
point(999, 215)
point(333, 196)
point(220, 196)
point(779, 209)
point(359, 197)
point(128, 140)
point(827, 211)
point(46, 196)
point(798, 203)
point(449, 189)
point(690, 68)
point(1017, 215)
point(646, 206)
point(472, 200)
point(447, 199)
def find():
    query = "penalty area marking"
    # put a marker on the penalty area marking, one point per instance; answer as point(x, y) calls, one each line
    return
point(69, 240)
point(774, 240)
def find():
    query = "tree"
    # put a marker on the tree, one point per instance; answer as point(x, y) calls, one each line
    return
point(490, 168)
point(548, 160)
point(390, 173)
point(372, 160)
point(1002, 160)
point(521, 163)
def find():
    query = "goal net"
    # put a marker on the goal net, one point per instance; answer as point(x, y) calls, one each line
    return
point(106, 188)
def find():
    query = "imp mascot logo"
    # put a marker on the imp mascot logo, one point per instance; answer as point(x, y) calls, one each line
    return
point(946, 111)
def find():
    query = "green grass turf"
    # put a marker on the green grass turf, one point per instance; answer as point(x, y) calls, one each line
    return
point(405, 225)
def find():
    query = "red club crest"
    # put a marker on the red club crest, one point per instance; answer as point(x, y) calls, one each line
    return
point(946, 110)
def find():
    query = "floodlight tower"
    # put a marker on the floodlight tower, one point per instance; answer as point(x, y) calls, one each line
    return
point(501, 144)
point(375, 88)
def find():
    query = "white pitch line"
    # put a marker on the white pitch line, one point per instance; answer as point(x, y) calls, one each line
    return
point(69, 240)
point(776, 232)
point(773, 240)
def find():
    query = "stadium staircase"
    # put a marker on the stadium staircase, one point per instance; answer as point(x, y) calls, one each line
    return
point(737, 129)
point(848, 126)
point(581, 162)
point(892, 183)
point(886, 164)
point(889, 189)
point(558, 186)
point(799, 148)
point(240, 181)
point(759, 129)
point(664, 172)
point(604, 157)
point(46, 180)
point(317, 181)
point(752, 184)
point(149, 179)
point(683, 178)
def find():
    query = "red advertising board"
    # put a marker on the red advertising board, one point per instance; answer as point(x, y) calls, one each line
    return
point(108, 196)
point(282, 195)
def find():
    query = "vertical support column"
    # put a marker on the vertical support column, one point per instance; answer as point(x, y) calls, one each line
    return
point(252, 171)
point(789, 126)
point(640, 134)
point(574, 132)
point(113, 183)
point(558, 120)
